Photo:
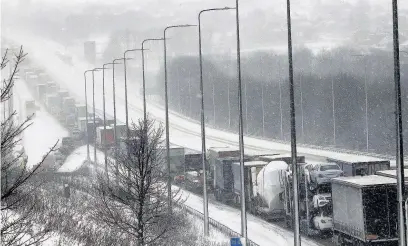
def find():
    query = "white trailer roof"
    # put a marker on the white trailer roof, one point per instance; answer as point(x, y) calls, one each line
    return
point(393, 163)
point(253, 163)
point(102, 128)
point(392, 173)
point(191, 151)
point(172, 146)
point(353, 158)
point(361, 181)
point(223, 149)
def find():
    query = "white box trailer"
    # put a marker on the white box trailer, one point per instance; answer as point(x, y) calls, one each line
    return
point(80, 110)
point(177, 160)
point(82, 123)
point(365, 210)
point(121, 130)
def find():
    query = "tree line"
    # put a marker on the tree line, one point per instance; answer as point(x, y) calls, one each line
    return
point(344, 73)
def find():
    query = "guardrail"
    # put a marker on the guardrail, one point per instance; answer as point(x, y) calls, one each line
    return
point(221, 227)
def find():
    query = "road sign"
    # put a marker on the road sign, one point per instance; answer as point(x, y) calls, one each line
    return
point(237, 241)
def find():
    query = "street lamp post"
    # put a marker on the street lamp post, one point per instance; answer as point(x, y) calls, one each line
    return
point(94, 114)
point(399, 132)
point(241, 131)
point(114, 98)
point(203, 147)
point(144, 78)
point(295, 213)
point(105, 148)
point(126, 92)
point(166, 99)
point(86, 124)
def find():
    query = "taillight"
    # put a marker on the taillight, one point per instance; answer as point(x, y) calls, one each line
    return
point(341, 174)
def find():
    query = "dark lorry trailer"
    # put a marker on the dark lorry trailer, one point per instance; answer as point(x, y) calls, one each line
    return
point(193, 160)
point(365, 210)
point(359, 166)
point(213, 153)
point(91, 130)
point(224, 179)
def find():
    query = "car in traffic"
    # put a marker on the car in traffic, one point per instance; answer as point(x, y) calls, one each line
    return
point(323, 221)
point(322, 173)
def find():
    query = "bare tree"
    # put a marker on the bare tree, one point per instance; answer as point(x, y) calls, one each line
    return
point(134, 199)
point(19, 199)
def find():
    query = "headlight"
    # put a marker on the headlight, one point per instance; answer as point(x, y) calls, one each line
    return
point(320, 175)
point(323, 221)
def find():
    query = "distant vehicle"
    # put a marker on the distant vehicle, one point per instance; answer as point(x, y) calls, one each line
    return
point(76, 134)
point(361, 166)
point(323, 221)
point(30, 108)
point(104, 136)
point(194, 181)
point(322, 173)
point(67, 145)
point(179, 179)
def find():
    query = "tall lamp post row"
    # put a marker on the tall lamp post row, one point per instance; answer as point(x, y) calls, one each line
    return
point(400, 170)
point(204, 161)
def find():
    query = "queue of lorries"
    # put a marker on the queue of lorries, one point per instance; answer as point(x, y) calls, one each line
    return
point(354, 200)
